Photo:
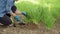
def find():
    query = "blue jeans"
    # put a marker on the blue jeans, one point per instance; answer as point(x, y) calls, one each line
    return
point(5, 20)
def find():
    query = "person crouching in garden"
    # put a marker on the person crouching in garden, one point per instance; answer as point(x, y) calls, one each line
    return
point(7, 9)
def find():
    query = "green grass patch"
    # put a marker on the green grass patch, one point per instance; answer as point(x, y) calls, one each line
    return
point(45, 10)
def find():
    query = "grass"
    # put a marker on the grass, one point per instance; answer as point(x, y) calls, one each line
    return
point(46, 11)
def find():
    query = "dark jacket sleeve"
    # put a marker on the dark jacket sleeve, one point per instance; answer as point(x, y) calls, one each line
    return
point(13, 8)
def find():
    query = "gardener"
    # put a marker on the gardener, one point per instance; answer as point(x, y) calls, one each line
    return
point(6, 10)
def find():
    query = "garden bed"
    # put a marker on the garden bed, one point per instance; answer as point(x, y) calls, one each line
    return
point(31, 29)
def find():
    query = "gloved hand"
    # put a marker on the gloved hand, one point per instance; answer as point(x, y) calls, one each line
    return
point(17, 18)
point(24, 13)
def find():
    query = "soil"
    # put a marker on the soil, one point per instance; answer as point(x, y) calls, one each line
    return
point(31, 29)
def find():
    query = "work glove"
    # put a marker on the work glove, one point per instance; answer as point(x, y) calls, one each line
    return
point(23, 13)
point(17, 18)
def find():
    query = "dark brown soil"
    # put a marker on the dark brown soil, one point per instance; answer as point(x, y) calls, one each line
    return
point(31, 29)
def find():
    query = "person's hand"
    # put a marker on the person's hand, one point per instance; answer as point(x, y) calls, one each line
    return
point(23, 13)
point(13, 14)
point(17, 18)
